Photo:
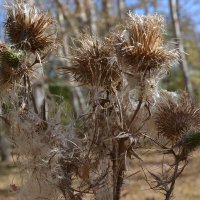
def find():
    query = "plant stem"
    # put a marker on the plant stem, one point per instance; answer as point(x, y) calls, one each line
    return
point(135, 113)
point(169, 192)
point(118, 185)
point(119, 168)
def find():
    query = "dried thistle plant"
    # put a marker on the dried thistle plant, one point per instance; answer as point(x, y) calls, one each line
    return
point(92, 64)
point(34, 140)
point(71, 162)
point(30, 33)
point(28, 28)
point(141, 45)
point(144, 60)
point(138, 51)
point(175, 118)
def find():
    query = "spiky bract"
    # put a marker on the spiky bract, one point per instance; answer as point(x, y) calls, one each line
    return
point(12, 66)
point(175, 118)
point(27, 28)
point(191, 140)
point(11, 57)
point(140, 46)
point(93, 64)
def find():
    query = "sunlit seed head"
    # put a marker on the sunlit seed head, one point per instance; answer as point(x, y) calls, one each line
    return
point(28, 28)
point(141, 45)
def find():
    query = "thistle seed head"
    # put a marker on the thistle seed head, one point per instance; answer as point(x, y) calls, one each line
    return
point(176, 118)
point(93, 64)
point(27, 28)
point(140, 46)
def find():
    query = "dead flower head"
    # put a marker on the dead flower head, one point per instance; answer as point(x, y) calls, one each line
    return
point(28, 28)
point(141, 47)
point(92, 64)
point(176, 118)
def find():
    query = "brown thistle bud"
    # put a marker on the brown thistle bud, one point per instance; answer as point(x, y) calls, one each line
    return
point(11, 57)
point(28, 28)
point(12, 65)
point(93, 64)
point(175, 118)
point(141, 47)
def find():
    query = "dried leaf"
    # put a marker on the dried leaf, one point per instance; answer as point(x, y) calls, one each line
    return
point(85, 171)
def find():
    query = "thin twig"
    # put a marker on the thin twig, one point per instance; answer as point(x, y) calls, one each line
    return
point(135, 114)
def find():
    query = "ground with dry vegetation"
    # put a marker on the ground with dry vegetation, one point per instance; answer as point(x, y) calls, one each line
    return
point(135, 188)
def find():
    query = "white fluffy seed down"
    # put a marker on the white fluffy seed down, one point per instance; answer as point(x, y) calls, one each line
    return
point(39, 153)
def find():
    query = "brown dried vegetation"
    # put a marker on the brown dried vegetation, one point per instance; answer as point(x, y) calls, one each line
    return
point(92, 64)
point(89, 156)
point(141, 45)
point(28, 28)
point(175, 118)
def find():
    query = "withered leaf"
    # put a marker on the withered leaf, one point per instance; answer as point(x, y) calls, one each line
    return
point(85, 171)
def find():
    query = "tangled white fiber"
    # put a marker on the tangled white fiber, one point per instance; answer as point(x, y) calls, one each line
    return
point(39, 147)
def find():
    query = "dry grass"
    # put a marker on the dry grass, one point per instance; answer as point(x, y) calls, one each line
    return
point(135, 188)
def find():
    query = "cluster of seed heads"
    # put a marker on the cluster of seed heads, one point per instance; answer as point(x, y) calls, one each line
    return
point(122, 72)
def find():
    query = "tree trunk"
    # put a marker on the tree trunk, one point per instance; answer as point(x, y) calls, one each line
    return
point(80, 13)
point(92, 17)
point(67, 16)
point(121, 8)
point(155, 5)
point(179, 42)
point(78, 97)
point(145, 6)
point(108, 12)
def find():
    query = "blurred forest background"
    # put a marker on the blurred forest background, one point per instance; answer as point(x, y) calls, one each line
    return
point(182, 19)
